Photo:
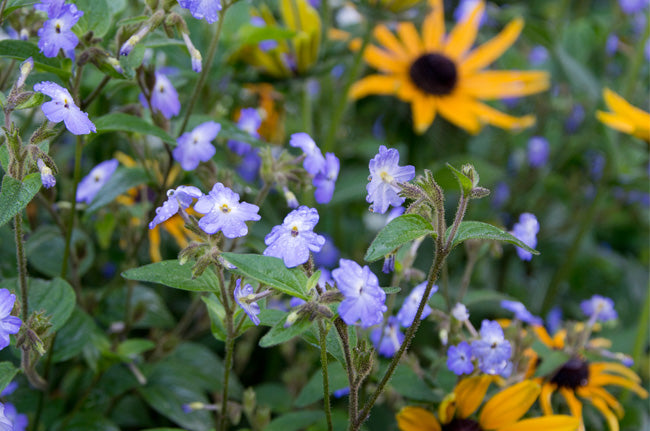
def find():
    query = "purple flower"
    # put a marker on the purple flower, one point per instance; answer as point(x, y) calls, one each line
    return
point(95, 180)
point(599, 308)
point(521, 312)
point(164, 97)
point(554, 319)
point(492, 350)
point(364, 299)
point(459, 359)
point(265, 45)
point(249, 167)
point(181, 197)
point(465, 8)
point(314, 160)
point(53, 8)
point(294, 238)
point(459, 312)
point(526, 230)
point(63, 108)
point(8, 324)
point(195, 146)
point(47, 178)
point(407, 313)
point(325, 180)
point(245, 298)
point(18, 420)
point(9, 389)
point(5, 423)
point(249, 121)
point(203, 9)
point(56, 32)
point(328, 255)
point(341, 392)
point(225, 213)
point(575, 119)
point(538, 151)
point(538, 55)
point(501, 194)
point(611, 46)
point(390, 341)
point(385, 173)
point(630, 7)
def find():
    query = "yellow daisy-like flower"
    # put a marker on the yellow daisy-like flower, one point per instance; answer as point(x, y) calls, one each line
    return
point(503, 412)
point(624, 117)
point(438, 73)
point(586, 380)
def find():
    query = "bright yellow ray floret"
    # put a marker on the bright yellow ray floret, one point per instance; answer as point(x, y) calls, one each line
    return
point(625, 117)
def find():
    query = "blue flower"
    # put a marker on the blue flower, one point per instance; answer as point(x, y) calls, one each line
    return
point(465, 8)
point(5, 423)
point(195, 146)
point(390, 341)
point(265, 45)
point(328, 255)
point(249, 121)
point(18, 420)
point(53, 8)
point(203, 9)
point(611, 46)
point(385, 173)
point(630, 7)
point(56, 32)
point(554, 319)
point(325, 179)
point(314, 161)
point(225, 213)
point(294, 238)
point(8, 324)
point(521, 312)
point(63, 108)
point(406, 314)
point(341, 392)
point(245, 298)
point(459, 359)
point(249, 167)
point(47, 178)
point(538, 55)
point(599, 308)
point(181, 197)
point(538, 151)
point(363, 298)
point(526, 230)
point(493, 351)
point(95, 180)
point(164, 97)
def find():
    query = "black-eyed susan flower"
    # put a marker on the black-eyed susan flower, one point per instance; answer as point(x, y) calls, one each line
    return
point(503, 412)
point(579, 379)
point(442, 74)
point(625, 117)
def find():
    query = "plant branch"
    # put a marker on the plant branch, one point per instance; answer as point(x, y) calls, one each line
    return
point(326, 387)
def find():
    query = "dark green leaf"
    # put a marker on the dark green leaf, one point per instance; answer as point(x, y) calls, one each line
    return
point(120, 122)
point(168, 401)
point(217, 316)
point(73, 337)
point(21, 50)
point(45, 249)
point(96, 17)
point(279, 334)
point(479, 230)
point(464, 182)
point(270, 271)
point(132, 61)
point(133, 347)
point(398, 232)
point(89, 420)
point(7, 373)
point(17, 4)
point(295, 421)
point(120, 182)
point(410, 385)
point(15, 195)
point(133, 20)
point(171, 273)
point(313, 390)
point(484, 295)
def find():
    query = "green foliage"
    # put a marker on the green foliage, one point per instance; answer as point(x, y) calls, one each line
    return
point(398, 232)
point(15, 195)
point(120, 122)
point(122, 180)
point(483, 231)
point(171, 273)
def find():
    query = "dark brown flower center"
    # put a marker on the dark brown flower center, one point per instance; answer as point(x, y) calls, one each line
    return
point(573, 374)
point(462, 425)
point(434, 74)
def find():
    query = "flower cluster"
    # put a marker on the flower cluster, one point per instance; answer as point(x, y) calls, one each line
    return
point(385, 174)
point(63, 108)
point(324, 170)
point(56, 33)
point(492, 352)
point(363, 298)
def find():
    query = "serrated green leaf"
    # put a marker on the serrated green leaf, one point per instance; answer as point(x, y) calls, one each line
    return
point(120, 122)
point(479, 230)
point(15, 195)
point(21, 50)
point(7, 373)
point(270, 271)
point(464, 182)
point(173, 274)
point(398, 232)
point(279, 334)
point(120, 182)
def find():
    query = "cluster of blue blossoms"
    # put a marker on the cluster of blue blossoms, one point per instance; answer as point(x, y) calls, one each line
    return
point(10, 420)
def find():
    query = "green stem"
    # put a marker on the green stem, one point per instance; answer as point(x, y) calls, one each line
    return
point(339, 108)
point(472, 257)
point(212, 50)
point(353, 405)
point(2, 10)
point(326, 386)
point(7, 73)
point(73, 209)
point(22, 265)
point(636, 62)
point(642, 330)
point(230, 347)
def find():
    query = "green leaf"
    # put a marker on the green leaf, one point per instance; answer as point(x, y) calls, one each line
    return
point(313, 390)
point(21, 50)
point(410, 385)
point(120, 122)
point(73, 337)
point(14, 195)
point(133, 347)
point(392, 289)
point(279, 334)
point(230, 131)
point(96, 17)
point(132, 61)
point(464, 182)
point(252, 35)
point(120, 182)
point(36, 99)
point(398, 232)
point(551, 359)
point(295, 421)
point(171, 273)
point(133, 20)
point(578, 75)
point(479, 230)
point(90, 420)
point(17, 4)
point(45, 249)
point(7, 373)
point(217, 316)
point(270, 271)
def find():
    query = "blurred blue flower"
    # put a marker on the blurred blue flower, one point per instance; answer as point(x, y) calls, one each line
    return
point(465, 7)
point(385, 173)
point(9, 389)
point(538, 151)
point(521, 312)
point(244, 297)
point(526, 230)
point(341, 392)
point(95, 180)
point(493, 351)
point(390, 341)
point(314, 161)
point(328, 255)
point(5, 422)
point(459, 359)
point(599, 308)
point(265, 45)
point(630, 7)
point(164, 97)
point(406, 314)
point(538, 55)
point(249, 121)
point(501, 194)
point(63, 108)
point(47, 178)
point(225, 213)
point(554, 320)
point(203, 9)
point(363, 298)
point(56, 32)
point(18, 420)
point(575, 119)
point(195, 146)
point(249, 166)
point(8, 324)
point(611, 46)
point(325, 179)
point(181, 197)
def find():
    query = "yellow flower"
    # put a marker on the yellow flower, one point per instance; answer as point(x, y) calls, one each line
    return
point(625, 117)
point(581, 378)
point(503, 412)
point(438, 73)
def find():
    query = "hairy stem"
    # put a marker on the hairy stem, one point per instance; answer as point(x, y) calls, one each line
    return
point(230, 347)
point(353, 406)
point(21, 258)
point(326, 386)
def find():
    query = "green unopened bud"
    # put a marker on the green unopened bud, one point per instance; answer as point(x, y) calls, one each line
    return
point(470, 172)
point(249, 401)
point(262, 417)
point(479, 192)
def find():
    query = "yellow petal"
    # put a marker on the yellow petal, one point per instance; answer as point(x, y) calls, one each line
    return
point(545, 398)
point(616, 122)
point(575, 406)
point(509, 405)
point(470, 393)
point(614, 367)
point(488, 52)
point(606, 379)
point(590, 392)
point(546, 423)
point(410, 38)
point(416, 419)
point(154, 244)
point(558, 339)
point(374, 84)
point(612, 420)
point(389, 41)
point(489, 115)
point(460, 111)
point(175, 226)
point(447, 408)
point(433, 28)
point(424, 111)
point(619, 105)
point(543, 335)
point(489, 85)
point(462, 37)
point(384, 60)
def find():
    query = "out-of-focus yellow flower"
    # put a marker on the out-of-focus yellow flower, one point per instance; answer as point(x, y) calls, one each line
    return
point(503, 412)
point(293, 56)
point(438, 73)
point(624, 117)
point(271, 102)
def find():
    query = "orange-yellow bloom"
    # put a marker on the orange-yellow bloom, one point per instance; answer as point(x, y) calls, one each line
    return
point(625, 117)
